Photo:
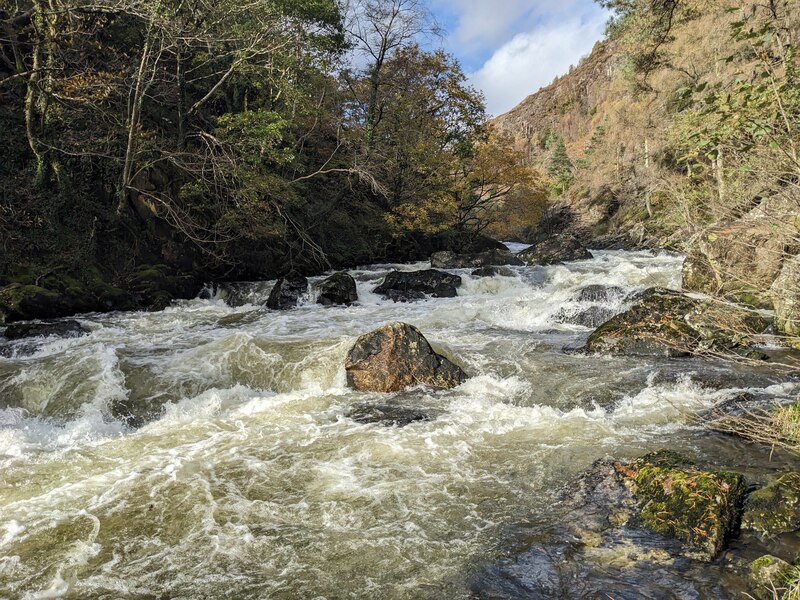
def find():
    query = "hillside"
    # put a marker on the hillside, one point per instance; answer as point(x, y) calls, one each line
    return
point(680, 131)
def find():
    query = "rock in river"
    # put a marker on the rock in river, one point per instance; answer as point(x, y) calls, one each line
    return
point(664, 322)
point(451, 260)
point(287, 292)
point(409, 285)
point(774, 509)
point(697, 507)
point(493, 271)
point(388, 415)
point(339, 288)
point(395, 357)
point(67, 328)
point(553, 250)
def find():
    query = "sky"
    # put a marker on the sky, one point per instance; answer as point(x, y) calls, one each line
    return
point(511, 48)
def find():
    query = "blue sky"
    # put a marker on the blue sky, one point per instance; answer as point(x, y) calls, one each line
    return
point(511, 48)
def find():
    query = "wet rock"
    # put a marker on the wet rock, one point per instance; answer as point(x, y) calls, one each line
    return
point(408, 285)
point(404, 295)
point(600, 542)
point(785, 293)
point(154, 287)
point(388, 415)
point(395, 357)
point(494, 257)
point(493, 271)
point(769, 577)
point(599, 293)
point(287, 292)
point(663, 322)
point(774, 509)
point(562, 248)
point(68, 328)
point(592, 316)
point(339, 288)
point(698, 507)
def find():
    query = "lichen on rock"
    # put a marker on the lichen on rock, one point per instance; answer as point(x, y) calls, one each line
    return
point(774, 509)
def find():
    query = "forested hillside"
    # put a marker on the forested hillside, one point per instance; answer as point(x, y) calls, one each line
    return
point(149, 145)
point(681, 129)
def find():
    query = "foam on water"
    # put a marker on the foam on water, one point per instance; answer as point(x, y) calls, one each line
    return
point(206, 451)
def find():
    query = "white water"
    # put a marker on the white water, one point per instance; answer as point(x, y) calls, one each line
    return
point(205, 452)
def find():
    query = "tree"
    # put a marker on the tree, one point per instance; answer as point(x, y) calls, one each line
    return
point(560, 168)
point(380, 28)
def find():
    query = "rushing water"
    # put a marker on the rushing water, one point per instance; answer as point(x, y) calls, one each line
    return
point(205, 452)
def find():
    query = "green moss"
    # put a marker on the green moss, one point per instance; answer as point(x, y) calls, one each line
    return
point(775, 509)
point(771, 577)
point(694, 506)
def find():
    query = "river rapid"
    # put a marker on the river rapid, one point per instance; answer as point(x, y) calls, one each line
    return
point(205, 451)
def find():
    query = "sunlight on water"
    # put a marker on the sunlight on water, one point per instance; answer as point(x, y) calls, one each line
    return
point(205, 452)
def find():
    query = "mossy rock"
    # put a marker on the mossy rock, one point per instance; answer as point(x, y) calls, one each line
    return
point(20, 302)
point(698, 507)
point(774, 509)
point(770, 578)
point(664, 322)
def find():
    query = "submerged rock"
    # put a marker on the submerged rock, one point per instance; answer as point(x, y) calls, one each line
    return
point(493, 271)
point(663, 322)
point(599, 293)
point(774, 509)
point(591, 316)
point(388, 415)
point(68, 328)
point(494, 257)
point(339, 288)
point(287, 292)
point(409, 285)
point(395, 357)
point(562, 248)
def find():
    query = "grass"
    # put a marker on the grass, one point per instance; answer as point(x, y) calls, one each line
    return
point(779, 427)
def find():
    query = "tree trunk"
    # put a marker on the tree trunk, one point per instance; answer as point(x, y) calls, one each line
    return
point(133, 125)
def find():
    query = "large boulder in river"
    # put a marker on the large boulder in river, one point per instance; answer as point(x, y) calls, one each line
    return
point(339, 288)
point(664, 322)
point(410, 285)
point(395, 357)
point(451, 260)
point(699, 508)
point(558, 249)
point(287, 292)
point(66, 328)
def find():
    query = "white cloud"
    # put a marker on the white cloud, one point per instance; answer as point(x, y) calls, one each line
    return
point(532, 59)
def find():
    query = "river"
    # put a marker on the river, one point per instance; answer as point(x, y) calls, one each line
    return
point(205, 451)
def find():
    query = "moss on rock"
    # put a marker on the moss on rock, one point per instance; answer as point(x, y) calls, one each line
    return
point(664, 322)
point(770, 578)
point(677, 499)
point(774, 509)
